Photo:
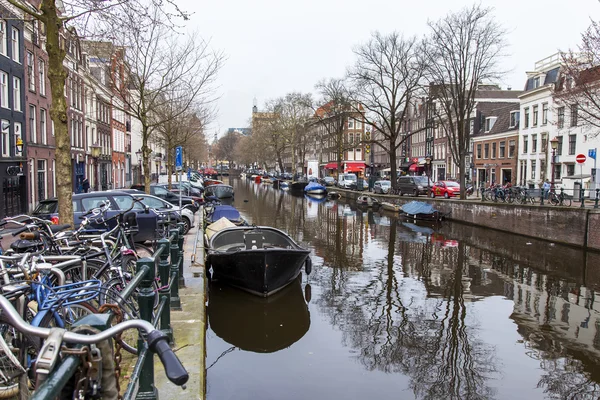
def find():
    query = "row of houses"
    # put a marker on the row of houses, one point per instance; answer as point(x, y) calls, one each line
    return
point(103, 135)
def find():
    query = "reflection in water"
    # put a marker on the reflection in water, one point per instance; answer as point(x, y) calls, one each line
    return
point(411, 299)
point(261, 325)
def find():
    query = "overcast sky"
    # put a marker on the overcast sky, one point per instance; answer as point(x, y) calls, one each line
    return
point(278, 46)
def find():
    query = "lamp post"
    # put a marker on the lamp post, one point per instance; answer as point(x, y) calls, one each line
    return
point(138, 154)
point(428, 171)
point(95, 149)
point(554, 145)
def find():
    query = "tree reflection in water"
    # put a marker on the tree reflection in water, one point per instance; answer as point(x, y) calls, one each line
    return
point(400, 325)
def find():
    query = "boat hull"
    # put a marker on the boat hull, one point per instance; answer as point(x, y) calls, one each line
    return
point(317, 191)
point(390, 207)
point(298, 186)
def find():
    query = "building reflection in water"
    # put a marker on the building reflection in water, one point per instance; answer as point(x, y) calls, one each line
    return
point(402, 295)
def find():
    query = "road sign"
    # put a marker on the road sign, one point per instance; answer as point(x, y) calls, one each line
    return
point(189, 173)
point(580, 158)
point(592, 153)
point(179, 158)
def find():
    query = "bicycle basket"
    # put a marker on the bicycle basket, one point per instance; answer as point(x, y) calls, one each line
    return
point(73, 293)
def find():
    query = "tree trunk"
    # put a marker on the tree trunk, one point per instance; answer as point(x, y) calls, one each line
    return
point(146, 158)
point(57, 76)
point(168, 163)
point(461, 172)
point(280, 162)
point(393, 167)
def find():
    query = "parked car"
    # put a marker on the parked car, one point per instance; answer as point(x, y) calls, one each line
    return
point(119, 201)
point(159, 191)
point(347, 180)
point(329, 181)
point(188, 189)
point(183, 214)
point(445, 188)
point(361, 184)
point(382, 187)
point(414, 185)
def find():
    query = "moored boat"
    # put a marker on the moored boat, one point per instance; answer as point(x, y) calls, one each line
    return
point(367, 201)
point(219, 191)
point(421, 210)
point(267, 180)
point(257, 179)
point(215, 213)
point(283, 185)
point(261, 260)
point(315, 188)
point(390, 206)
point(209, 182)
point(298, 186)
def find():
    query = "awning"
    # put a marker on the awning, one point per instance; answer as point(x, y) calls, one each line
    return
point(579, 176)
point(406, 165)
point(331, 165)
point(355, 166)
point(413, 167)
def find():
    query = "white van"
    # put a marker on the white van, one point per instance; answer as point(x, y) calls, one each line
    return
point(347, 180)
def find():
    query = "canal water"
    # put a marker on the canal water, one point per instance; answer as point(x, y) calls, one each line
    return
point(400, 310)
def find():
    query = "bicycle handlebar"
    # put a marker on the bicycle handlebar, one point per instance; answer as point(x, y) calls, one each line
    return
point(157, 340)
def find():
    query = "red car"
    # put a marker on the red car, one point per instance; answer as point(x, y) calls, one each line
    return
point(445, 188)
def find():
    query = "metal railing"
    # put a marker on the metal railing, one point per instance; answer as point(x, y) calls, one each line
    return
point(168, 260)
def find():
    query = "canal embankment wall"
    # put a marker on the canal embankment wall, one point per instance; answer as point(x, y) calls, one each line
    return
point(566, 225)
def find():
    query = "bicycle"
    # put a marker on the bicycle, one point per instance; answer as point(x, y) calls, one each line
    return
point(87, 354)
point(559, 199)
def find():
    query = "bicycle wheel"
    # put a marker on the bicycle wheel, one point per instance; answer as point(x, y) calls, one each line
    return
point(554, 200)
point(77, 273)
point(14, 379)
point(65, 316)
point(566, 201)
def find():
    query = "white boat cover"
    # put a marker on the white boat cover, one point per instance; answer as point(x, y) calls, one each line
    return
point(218, 226)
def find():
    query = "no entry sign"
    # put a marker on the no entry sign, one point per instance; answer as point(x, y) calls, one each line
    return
point(580, 158)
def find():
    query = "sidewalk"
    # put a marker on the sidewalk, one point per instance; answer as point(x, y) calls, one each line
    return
point(189, 329)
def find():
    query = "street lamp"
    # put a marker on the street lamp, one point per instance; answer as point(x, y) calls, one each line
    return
point(95, 149)
point(19, 144)
point(139, 154)
point(554, 145)
point(428, 171)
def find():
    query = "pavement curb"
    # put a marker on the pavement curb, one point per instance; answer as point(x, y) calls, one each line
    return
point(189, 325)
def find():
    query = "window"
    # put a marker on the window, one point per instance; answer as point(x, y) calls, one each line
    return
point(494, 150)
point(561, 117)
point(41, 183)
point(4, 93)
point(350, 123)
point(489, 123)
point(557, 171)
point(533, 169)
point(486, 150)
point(524, 144)
point(514, 119)
point(536, 82)
point(15, 45)
point(43, 126)
point(544, 113)
point(544, 148)
point(16, 94)
point(535, 116)
point(358, 124)
point(574, 114)
point(32, 125)
point(42, 74)
point(3, 38)
point(572, 144)
point(527, 117)
point(511, 148)
point(502, 149)
point(5, 139)
point(570, 169)
point(91, 202)
point(30, 72)
point(560, 146)
point(533, 143)
point(479, 151)
point(351, 138)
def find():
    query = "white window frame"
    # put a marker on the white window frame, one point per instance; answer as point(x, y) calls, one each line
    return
point(4, 90)
point(3, 38)
point(31, 70)
point(18, 133)
point(350, 123)
point(42, 76)
point(17, 94)
point(358, 124)
point(33, 123)
point(16, 51)
point(5, 139)
point(43, 126)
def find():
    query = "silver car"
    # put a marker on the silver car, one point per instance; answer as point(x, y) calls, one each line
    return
point(382, 187)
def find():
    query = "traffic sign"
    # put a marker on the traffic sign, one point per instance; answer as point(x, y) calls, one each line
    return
point(179, 158)
point(592, 153)
point(580, 158)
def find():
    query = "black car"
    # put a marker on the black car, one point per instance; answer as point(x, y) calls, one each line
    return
point(165, 208)
point(119, 201)
point(159, 191)
point(188, 189)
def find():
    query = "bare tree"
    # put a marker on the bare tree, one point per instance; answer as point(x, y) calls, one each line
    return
point(293, 113)
point(463, 51)
point(579, 85)
point(88, 17)
point(387, 76)
point(332, 113)
point(226, 147)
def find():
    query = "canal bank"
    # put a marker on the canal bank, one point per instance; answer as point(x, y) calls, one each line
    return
point(189, 326)
point(566, 225)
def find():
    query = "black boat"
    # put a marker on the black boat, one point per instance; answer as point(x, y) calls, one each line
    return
point(219, 191)
point(260, 325)
point(421, 210)
point(298, 186)
point(261, 260)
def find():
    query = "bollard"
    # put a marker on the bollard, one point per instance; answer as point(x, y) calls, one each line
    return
point(562, 195)
point(582, 192)
point(482, 194)
point(181, 238)
point(164, 270)
point(175, 261)
point(596, 201)
point(146, 304)
point(542, 196)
